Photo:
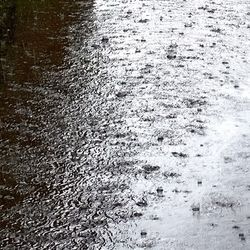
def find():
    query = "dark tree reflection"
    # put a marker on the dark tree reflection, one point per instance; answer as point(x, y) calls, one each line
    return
point(34, 38)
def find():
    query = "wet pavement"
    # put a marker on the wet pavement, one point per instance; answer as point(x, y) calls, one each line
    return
point(125, 125)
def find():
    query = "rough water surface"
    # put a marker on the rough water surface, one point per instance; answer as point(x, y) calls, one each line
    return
point(125, 125)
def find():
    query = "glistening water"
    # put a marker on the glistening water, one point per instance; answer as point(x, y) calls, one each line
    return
point(124, 124)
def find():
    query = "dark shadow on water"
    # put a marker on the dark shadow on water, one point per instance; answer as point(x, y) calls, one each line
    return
point(34, 37)
point(62, 163)
point(7, 30)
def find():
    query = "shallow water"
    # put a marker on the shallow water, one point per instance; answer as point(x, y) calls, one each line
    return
point(125, 125)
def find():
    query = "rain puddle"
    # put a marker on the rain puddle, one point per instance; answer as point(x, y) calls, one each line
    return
point(124, 125)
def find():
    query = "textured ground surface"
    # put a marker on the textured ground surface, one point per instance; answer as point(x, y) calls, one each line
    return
point(126, 125)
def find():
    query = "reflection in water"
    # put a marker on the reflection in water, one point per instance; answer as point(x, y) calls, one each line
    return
point(7, 29)
point(33, 37)
point(62, 162)
point(47, 171)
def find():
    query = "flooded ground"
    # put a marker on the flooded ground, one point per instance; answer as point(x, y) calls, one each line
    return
point(125, 125)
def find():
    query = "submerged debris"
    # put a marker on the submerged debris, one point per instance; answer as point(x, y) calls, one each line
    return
point(121, 94)
point(137, 214)
point(105, 39)
point(143, 20)
point(171, 174)
point(170, 57)
point(242, 236)
point(143, 233)
point(142, 203)
point(195, 207)
point(159, 190)
point(224, 203)
point(182, 155)
point(149, 168)
point(160, 138)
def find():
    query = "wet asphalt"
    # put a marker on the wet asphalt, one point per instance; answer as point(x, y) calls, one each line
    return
point(126, 125)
